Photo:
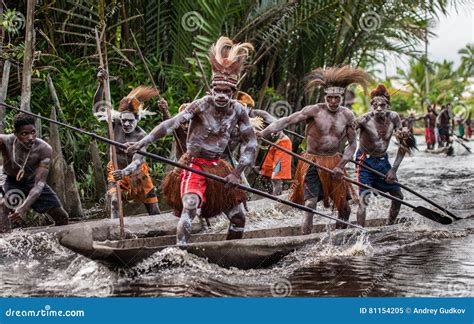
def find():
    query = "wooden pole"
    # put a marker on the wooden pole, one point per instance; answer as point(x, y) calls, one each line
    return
point(203, 75)
point(113, 151)
point(28, 56)
point(4, 91)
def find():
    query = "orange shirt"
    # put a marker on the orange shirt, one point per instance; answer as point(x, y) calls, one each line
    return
point(277, 164)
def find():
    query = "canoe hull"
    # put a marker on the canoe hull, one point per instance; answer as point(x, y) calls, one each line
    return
point(258, 248)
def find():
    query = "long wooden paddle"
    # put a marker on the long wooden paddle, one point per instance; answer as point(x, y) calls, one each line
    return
point(407, 189)
point(423, 211)
point(458, 140)
point(401, 185)
point(183, 166)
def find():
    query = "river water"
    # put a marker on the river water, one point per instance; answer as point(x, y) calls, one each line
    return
point(416, 258)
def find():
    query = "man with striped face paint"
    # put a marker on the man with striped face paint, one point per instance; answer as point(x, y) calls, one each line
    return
point(376, 129)
point(211, 121)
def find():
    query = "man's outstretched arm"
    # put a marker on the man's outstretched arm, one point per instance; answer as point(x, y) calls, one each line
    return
point(282, 123)
point(166, 127)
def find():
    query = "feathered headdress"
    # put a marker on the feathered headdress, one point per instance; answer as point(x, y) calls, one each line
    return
point(411, 112)
point(380, 92)
point(227, 60)
point(335, 80)
point(246, 99)
point(406, 140)
point(133, 103)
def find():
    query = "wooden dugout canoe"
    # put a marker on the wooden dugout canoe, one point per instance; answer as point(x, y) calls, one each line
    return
point(258, 248)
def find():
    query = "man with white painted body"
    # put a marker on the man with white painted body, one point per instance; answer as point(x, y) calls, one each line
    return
point(211, 121)
point(133, 172)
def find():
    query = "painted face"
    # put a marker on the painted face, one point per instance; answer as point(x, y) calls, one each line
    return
point(129, 122)
point(26, 135)
point(222, 95)
point(333, 101)
point(379, 106)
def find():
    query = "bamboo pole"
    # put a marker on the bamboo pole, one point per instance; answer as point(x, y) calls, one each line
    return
point(4, 91)
point(28, 56)
point(113, 151)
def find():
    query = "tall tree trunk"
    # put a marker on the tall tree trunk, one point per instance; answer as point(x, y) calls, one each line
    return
point(28, 56)
point(56, 174)
point(74, 206)
point(99, 180)
point(3, 92)
point(57, 105)
point(63, 176)
point(125, 28)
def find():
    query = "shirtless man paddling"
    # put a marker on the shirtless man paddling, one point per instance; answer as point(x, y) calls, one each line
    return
point(329, 123)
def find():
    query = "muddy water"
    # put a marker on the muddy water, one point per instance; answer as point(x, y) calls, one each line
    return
point(416, 258)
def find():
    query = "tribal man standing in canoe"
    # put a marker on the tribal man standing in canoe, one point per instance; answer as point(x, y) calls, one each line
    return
point(133, 173)
point(328, 124)
point(211, 120)
point(430, 124)
point(376, 130)
point(26, 161)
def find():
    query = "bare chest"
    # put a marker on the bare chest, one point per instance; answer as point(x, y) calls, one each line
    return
point(380, 129)
point(328, 124)
point(216, 125)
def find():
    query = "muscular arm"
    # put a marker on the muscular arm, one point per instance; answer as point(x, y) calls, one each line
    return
point(267, 118)
point(248, 144)
point(137, 161)
point(352, 141)
point(168, 126)
point(282, 123)
point(351, 148)
point(401, 152)
point(3, 140)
